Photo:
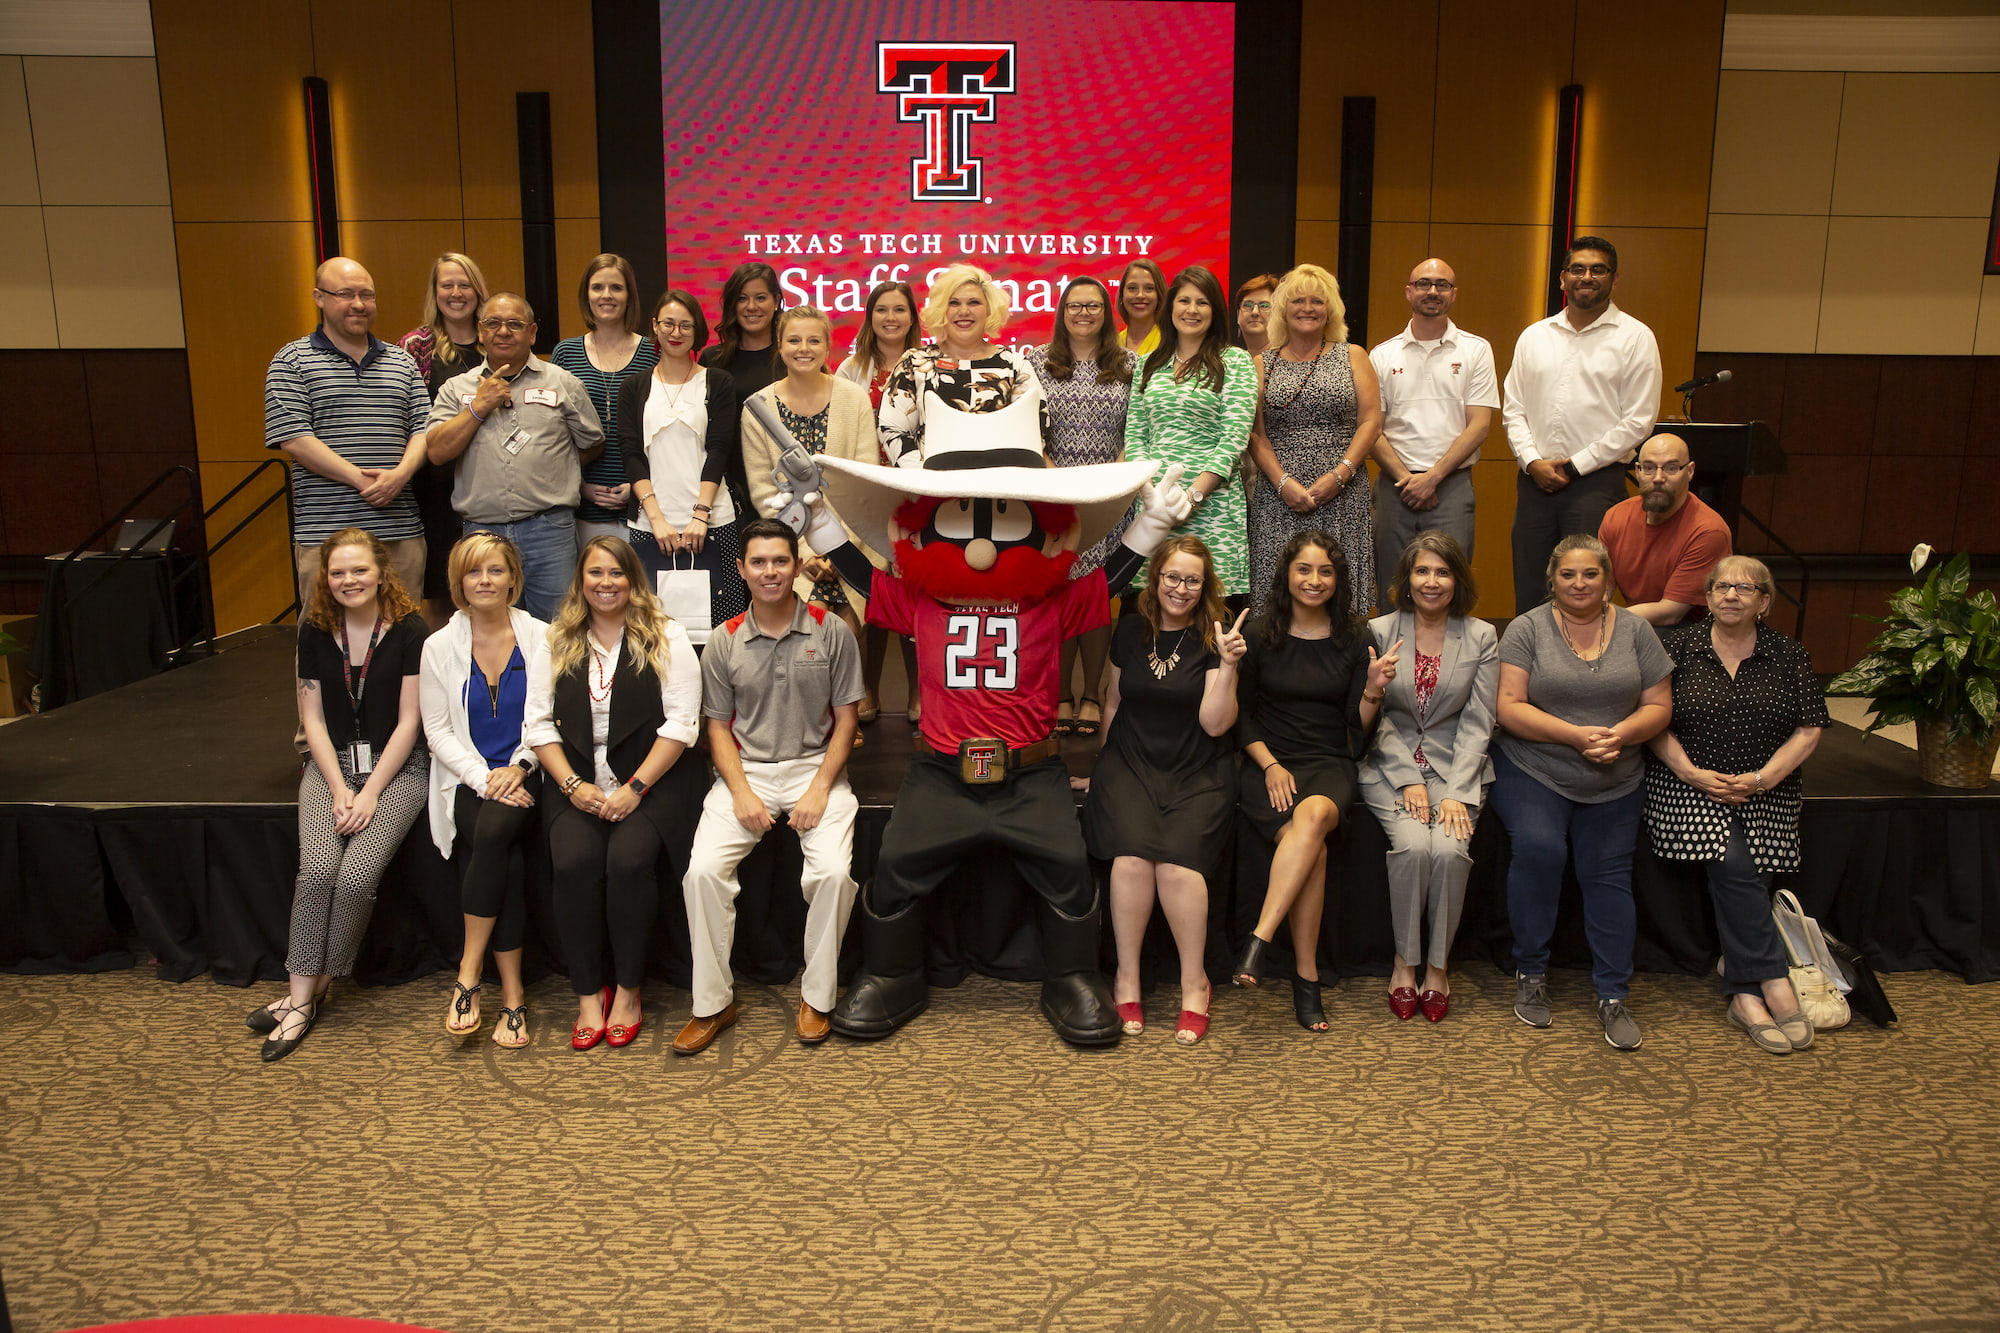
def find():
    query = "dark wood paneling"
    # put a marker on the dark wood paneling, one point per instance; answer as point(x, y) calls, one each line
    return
point(1756, 393)
point(1818, 508)
point(120, 477)
point(1870, 599)
point(45, 409)
point(1830, 404)
point(1982, 435)
point(140, 401)
point(1978, 528)
point(1829, 611)
point(50, 502)
point(1759, 498)
point(1909, 500)
point(1924, 406)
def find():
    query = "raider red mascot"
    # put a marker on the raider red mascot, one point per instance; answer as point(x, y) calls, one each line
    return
point(982, 533)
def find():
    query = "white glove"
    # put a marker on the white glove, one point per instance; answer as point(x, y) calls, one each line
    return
point(1162, 508)
point(822, 531)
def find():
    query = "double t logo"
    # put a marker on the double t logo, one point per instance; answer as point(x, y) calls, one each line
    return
point(945, 87)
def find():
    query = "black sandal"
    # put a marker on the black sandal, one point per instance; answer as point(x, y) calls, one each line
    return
point(1089, 726)
point(1256, 956)
point(276, 1047)
point(514, 1022)
point(1306, 1004)
point(461, 1008)
point(265, 1020)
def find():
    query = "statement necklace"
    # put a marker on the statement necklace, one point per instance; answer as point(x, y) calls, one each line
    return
point(600, 681)
point(1153, 662)
point(1603, 618)
point(1312, 369)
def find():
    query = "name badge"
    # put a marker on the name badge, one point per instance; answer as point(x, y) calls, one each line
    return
point(361, 758)
point(543, 397)
point(516, 441)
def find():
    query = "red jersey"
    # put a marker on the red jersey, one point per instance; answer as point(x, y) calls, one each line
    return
point(989, 670)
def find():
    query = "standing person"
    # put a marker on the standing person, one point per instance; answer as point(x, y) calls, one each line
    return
point(444, 345)
point(1722, 786)
point(484, 779)
point(1311, 688)
point(349, 410)
point(1664, 541)
point(1317, 420)
point(888, 329)
point(1582, 685)
point(744, 347)
point(613, 351)
point(1427, 774)
point(1141, 288)
point(964, 367)
point(680, 441)
point(1438, 398)
point(1583, 391)
point(360, 653)
point(1163, 794)
point(779, 687)
point(1087, 379)
point(1192, 404)
point(520, 431)
point(1253, 314)
point(614, 695)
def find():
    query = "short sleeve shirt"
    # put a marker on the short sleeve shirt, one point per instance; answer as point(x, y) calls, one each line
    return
point(365, 411)
point(1426, 387)
point(1564, 685)
point(398, 653)
point(778, 695)
point(499, 482)
point(1670, 562)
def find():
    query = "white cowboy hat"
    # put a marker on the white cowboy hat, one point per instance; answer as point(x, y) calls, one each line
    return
point(980, 456)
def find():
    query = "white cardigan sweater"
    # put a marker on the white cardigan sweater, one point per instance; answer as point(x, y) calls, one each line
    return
point(447, 675)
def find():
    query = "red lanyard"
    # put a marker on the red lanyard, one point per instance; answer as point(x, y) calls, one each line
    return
point(347, 663)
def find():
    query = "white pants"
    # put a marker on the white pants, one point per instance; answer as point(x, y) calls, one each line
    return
point(710, 887)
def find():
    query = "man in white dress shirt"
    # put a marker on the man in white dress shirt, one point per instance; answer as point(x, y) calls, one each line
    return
point(1438, 397)
point(1583, 392)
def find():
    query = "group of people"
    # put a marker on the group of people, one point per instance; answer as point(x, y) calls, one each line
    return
point(1288, 718)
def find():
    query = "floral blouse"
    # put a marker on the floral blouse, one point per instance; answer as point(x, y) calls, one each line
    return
point(985, 385)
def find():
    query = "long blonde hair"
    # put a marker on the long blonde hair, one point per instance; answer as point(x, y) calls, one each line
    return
point(1310, 280)
point(442, 347)
point(646, 620)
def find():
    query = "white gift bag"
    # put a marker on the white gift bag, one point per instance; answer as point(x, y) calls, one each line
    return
point(684, 592)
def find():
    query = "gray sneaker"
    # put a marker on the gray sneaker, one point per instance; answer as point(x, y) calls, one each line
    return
point(1531, 1000)
point(1620, 1028)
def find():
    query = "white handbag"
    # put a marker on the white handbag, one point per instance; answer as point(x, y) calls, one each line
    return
point(1816, 975)
point(684, 593)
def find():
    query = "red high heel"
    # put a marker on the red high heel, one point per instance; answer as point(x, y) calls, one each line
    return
point(1132, 1017)
point(1193, 1026)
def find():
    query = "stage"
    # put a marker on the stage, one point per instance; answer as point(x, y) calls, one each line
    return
point(157, 822)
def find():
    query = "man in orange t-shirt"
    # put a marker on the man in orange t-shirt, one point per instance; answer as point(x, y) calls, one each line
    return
point(1664, 541)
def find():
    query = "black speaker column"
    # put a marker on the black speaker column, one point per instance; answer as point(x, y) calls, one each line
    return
point(319, 165)
point(538, 217)
point(1264, 166)
point(1562, 194)
point(1357, 210)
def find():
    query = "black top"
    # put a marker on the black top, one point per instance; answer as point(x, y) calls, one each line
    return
point(750, 370)
point(722, 450)
point(1302, 698)
point(399, 653)
point(469, 356)
point(1158, 723)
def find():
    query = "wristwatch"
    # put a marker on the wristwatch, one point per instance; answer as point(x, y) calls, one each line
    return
point(638, 787)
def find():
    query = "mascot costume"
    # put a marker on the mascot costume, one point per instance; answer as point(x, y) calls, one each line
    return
point(981, 533)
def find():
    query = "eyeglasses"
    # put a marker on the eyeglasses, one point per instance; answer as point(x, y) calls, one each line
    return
point(1256, 307)
point(1740, 589)
point(1432, 284)
point(1083, 307)
point(1192, 582)
point(674, 325)
point(1588, 270)
point(1668, 470)
point(358, 296)
point(510, 325)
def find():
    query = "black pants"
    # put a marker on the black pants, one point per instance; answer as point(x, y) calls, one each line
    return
point(1751, 950)
point(492, 837)
point(1542, 520)
point(940, 824)
point(607, 895)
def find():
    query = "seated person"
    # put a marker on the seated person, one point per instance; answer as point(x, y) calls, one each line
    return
point(1664, 540)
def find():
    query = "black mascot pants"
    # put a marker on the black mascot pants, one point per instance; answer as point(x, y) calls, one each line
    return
point(940, 824)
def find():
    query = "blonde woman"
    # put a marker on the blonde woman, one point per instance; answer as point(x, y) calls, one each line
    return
point(614, 700)
point(611, 352)
point(964, 367)
point(1318, 415)
point(444, 345)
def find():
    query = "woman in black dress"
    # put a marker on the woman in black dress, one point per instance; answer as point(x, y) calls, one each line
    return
point(1161, 795)
point(1312, 689)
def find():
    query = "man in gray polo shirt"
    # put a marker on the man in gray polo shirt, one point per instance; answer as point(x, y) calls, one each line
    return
point(520, 431)
point(781, 685)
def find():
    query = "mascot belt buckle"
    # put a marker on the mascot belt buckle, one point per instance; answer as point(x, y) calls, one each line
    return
point(982, 761)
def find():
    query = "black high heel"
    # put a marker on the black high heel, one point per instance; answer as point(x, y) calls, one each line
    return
point(276, 1047)
point(1306, 1004)
point(1256, 959)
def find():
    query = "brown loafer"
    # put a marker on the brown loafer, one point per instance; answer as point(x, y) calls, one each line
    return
point(699, 1031)
point(813, 1027)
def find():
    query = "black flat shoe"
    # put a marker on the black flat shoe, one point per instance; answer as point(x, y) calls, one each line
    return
point(1306, 1005)
point(1255, 961)
point(263, 1019)
point(278, 1047)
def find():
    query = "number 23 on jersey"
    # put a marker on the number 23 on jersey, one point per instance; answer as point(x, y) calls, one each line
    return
point(980, 651)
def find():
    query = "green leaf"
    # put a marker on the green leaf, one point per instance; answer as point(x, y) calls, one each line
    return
point(1957, 576)
point(1955, 649)
point(1895, 712)
point(1899, 640)
point(1983, 696)
point(1907, 603)
point(1866, 678)
point(1926, 658)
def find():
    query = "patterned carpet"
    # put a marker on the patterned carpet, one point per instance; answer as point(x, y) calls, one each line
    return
point(973, 1173)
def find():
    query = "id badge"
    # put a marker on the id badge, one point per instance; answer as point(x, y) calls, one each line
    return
point(517, 441)
point(361, 758)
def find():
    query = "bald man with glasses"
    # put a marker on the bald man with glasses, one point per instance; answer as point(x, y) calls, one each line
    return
point(1664, 541)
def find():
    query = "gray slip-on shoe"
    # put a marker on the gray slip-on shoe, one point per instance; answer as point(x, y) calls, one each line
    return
point(1765, 1037)
point(1798, 1029)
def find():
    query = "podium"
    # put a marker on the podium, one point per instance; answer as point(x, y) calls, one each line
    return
point(1724, 454)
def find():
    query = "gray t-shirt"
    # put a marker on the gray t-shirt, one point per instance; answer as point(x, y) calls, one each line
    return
point(1563, 685)
point(778, 695)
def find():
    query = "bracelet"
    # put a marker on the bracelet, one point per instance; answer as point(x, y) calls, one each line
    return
point(1283, 479)
point(703, 510)
point(1349, 466)
point(475, 416)
point(1760, 779)
point(1375, 699)
point(571, 783)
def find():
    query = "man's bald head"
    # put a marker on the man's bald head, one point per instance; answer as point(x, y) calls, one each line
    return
point(1432, 289)
point(345, 295)
point(1666, 470)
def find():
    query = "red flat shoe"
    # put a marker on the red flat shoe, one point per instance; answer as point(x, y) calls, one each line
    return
point(1193, 1026)
point(1435, 1004)
point(621, 1034)
point(1132, 1017)
point(583, 1038)
point(1403, 1001)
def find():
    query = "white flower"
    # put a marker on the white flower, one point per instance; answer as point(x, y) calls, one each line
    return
point(1918, 554)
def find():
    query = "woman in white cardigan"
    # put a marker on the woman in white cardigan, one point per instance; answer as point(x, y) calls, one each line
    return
point(484, 779)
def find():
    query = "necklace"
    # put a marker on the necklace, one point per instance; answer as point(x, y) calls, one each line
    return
point(674, 391)
point(1312, 369)
point(1603, 618)
point(601, 681)
point(1153, 662)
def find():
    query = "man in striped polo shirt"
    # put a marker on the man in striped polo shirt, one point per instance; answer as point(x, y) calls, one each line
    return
point(349, 409)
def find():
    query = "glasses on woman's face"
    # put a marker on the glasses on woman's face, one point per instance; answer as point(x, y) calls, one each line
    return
point(1250, 307)
point(1191, 582)
point(674, 325)
point(1084, 307)
point(1723, 588)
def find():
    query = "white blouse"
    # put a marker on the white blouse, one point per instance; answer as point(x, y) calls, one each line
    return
point(680, 698)
point(675, 429)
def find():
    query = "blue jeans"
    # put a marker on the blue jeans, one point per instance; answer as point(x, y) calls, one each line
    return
point(1546, 829)
point(1751, 950)
point(547, 543)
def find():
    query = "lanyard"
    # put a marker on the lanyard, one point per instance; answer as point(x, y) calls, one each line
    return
point(347, 664)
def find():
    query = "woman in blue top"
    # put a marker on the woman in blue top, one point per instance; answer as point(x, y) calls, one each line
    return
point(484, 781)
point(611, 352)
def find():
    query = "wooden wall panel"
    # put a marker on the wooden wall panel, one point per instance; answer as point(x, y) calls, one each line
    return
point(1649, 73)
point(578, 241)
point(509, 46)
point(398, 256)
point(97, 130)
point(233, 109)
point(41, 412)
point(114, 277)
point(17, 141)
point(496, 244)
point(390, 73)
point(253, 577)
point(27, 298)
point(1493, 530)
point(1760, 282)
point(1394, 249)
point(1890, 287)
point(1499, 269)
point(1775, 137)
point(1382, 49)
point(230, 339)
point(1499, 66)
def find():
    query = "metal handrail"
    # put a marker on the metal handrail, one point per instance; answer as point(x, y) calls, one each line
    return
point(1805, 572)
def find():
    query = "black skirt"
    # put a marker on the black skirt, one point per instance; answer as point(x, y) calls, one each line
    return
point(1333, 778)
point(1181, 818)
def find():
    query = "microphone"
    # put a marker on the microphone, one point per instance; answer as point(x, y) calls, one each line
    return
point(1703, 381)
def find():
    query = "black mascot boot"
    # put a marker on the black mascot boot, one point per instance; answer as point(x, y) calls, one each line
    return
point(889, 991)
point(1076, 999)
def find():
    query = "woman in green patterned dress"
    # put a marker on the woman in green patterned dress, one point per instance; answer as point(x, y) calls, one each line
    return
point(1192, 404)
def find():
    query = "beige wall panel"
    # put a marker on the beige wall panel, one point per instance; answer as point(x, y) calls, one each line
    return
point(1372, 48)
point(27, 302)
point(494, 63)
point(1776, 133)
point(1901, 286)
point(578, 241)
point(98, 138)
point(398, 256)
point(495, 245)
point(234, 110)
point(253, 578)
point(1317, 242)
point(1492, 545)
point(388, 68)
point(1760, 283)
point(1648, 71)
point(17, 141)
point(1918, 145)
point(1659, 281)
point(1499, 66)
point(116, 279)
point(1986, 341)
point(1394, 249)
point(1500, 291)
point(247, 291)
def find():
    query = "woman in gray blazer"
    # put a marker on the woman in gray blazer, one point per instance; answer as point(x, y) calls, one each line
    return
point(1427, 773)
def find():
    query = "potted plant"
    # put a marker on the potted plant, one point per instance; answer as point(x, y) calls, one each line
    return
point(1936, 663)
